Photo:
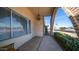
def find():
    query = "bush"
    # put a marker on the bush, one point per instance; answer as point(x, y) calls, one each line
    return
point(69, 43)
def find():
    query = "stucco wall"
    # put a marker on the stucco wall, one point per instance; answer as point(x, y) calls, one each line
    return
point(22, 39)
point(39, 27)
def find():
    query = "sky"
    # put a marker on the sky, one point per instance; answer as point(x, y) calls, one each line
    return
point(47, 20)
point(61, 19)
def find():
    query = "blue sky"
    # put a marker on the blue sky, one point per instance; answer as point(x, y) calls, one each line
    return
point(61, 19)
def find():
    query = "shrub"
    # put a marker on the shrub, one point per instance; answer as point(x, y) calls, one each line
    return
point(69, 43)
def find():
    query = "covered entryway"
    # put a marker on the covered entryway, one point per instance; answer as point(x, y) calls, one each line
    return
point(33, 38)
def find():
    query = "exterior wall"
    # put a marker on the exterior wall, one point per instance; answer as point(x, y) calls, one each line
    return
point(39, 27)
point(22, 39)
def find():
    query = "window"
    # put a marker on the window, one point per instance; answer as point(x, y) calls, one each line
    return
point(19, 26)
point(5, 29)
point(12, 24)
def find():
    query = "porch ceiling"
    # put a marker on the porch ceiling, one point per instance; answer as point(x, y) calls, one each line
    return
point(43, 11)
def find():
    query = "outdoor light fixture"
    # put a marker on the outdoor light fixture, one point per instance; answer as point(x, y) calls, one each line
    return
point(38, 17)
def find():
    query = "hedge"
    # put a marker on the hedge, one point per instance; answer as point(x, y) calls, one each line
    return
point(69, 43)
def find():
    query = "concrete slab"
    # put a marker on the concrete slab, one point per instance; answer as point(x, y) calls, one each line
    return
point(46, 43)
point(49, 44)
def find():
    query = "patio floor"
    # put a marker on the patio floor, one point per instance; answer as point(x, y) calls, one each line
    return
point(45, 43)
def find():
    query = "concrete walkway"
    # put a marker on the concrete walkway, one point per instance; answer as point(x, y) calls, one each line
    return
point(46, 43)
point(31, 45)
point(49, 44)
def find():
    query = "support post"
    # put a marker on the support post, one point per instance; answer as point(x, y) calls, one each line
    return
point(53, 12)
